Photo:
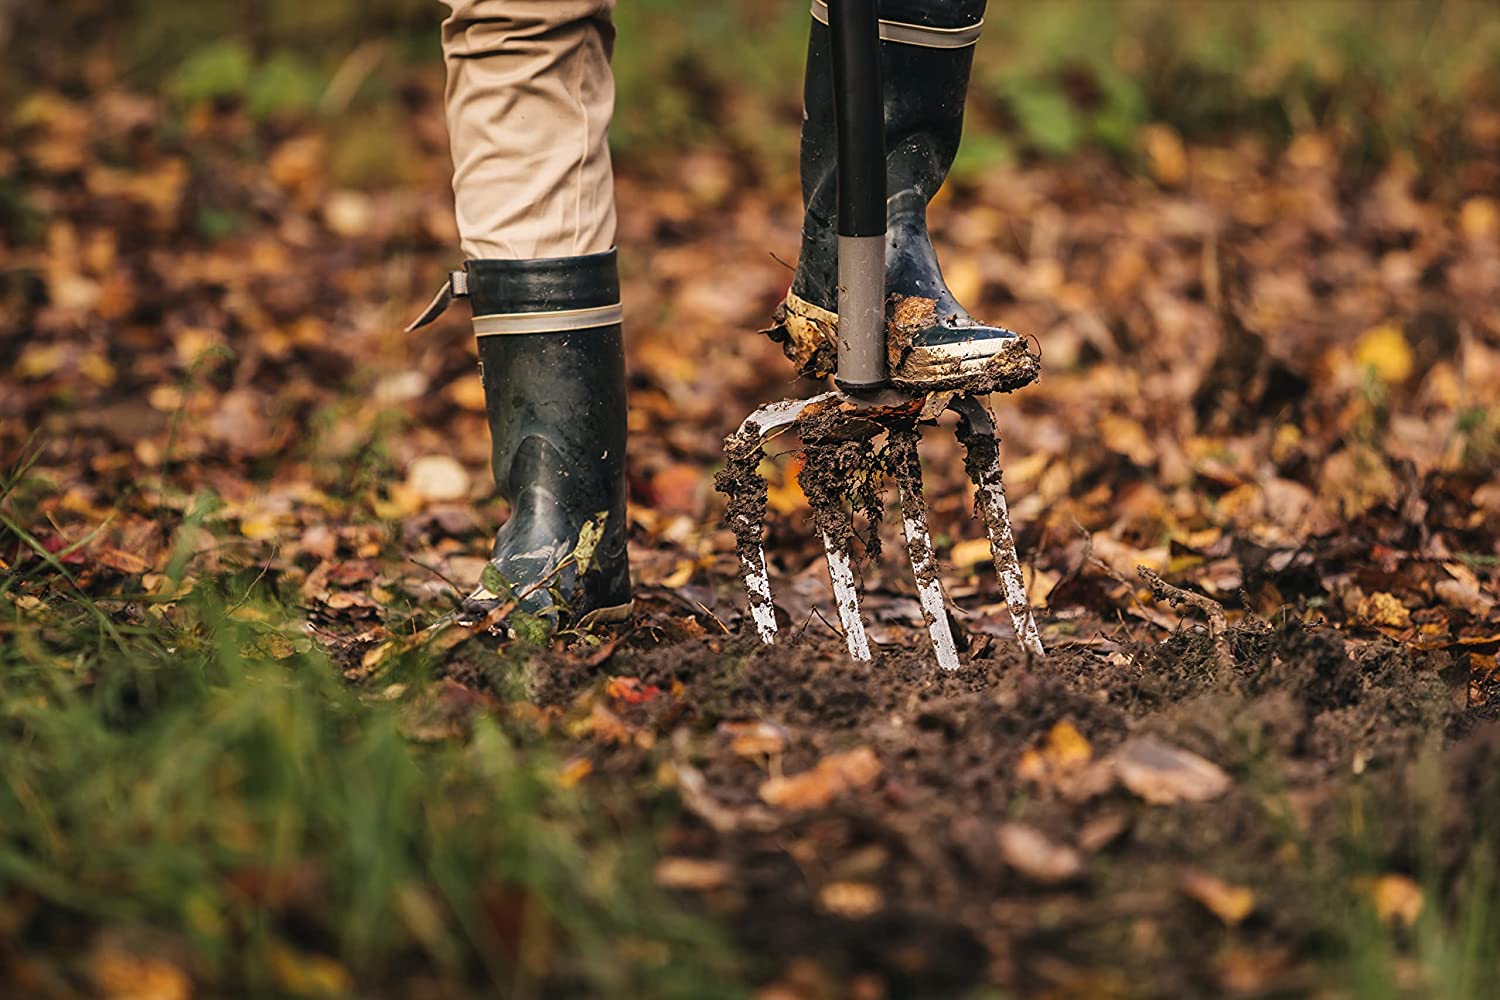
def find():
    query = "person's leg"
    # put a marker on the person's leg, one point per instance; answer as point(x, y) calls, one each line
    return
point(927, 50)
point(529, 100)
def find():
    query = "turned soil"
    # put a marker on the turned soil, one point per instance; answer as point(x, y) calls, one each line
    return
point(917, 883)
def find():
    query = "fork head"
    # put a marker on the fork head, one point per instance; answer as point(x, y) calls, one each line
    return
point(837, 431)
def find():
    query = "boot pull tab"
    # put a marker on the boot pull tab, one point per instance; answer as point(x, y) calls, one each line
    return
point(456, 287)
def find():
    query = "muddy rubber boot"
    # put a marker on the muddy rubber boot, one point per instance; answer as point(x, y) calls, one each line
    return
point(553, 365)
point(927, 49)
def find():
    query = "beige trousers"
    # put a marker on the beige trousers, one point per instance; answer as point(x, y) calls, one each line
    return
point(529, 99)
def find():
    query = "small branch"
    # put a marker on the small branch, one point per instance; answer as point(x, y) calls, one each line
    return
point(1218, 625)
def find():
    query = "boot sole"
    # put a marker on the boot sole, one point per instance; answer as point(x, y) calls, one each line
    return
point(999, 364)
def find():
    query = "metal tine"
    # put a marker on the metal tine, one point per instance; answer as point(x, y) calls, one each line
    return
point(924, 564)
point(976, 430)
point(758, 585)
point(846, 596)
point(759, 425)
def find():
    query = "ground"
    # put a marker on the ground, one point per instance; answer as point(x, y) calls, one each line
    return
point(237, 497)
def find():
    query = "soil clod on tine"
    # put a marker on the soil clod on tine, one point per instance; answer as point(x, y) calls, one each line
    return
point(839, 429)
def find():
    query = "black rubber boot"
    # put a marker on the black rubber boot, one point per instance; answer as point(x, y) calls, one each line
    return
point(553, 365)
point(934, 342)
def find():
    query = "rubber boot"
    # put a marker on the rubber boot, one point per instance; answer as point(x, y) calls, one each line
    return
point(926, 55)
point(553, 365)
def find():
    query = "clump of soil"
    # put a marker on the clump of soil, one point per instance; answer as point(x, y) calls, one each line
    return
point(745, 490)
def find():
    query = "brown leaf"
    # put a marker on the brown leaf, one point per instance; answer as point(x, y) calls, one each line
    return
point(830, 778)
point(1163, 774)
point(1037, 856)
point(121, 562)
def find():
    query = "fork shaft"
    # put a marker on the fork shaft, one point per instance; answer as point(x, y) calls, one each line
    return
point(859, 124)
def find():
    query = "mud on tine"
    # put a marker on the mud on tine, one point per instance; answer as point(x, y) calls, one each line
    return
point(839, 415)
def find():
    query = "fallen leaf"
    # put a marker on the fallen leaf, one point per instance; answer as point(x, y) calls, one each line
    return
point(1384, 350)
point(1165, 155)
point(692, 874)
point(1163, 774)
point(830, 778)
point(1066, 747)
point(308, 975)
point(970, 552)
point(754, 739)
point(1230, 903)
point(119, 975)
point(1398, 900)
point(438, 477)
point(1383, 609)
point(631, 690)
point(1037, 856)
point(851, 900)
point(121, 562)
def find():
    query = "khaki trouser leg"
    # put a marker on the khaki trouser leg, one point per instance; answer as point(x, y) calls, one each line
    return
point(529, 100)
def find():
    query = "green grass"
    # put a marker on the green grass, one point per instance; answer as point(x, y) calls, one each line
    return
point(196, 774)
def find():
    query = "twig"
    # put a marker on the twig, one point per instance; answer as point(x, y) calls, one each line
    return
point(1218, 625)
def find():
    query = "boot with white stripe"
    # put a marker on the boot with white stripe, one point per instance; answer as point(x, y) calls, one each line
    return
point(926, 52)
point(553, 365)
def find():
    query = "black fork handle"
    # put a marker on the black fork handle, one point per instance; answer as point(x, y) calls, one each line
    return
point(859, 117)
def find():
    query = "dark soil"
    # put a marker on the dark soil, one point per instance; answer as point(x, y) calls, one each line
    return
point(944, 910)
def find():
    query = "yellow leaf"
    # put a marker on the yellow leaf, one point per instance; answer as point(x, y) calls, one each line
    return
point(1397, 899)
point(1384, 609)
point(1165, 154)
point(467, 393)
point(260, 527)
point(119, 975)
point(575, 771)
point(1230, 903)
point(1066, 747)
point(970, 552)
point(40, 360)
point(307, 975)
point(1384, 350)
point(1479, 218)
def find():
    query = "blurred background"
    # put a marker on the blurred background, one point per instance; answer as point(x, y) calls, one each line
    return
point(1258, 246)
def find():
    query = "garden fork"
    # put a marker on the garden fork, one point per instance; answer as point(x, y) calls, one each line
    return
point(864, 406)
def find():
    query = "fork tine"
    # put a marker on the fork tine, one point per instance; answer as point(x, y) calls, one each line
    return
point(924, 565)
point(846, 597)
point(976, 431)
point(758, 585)
point(742, 450)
